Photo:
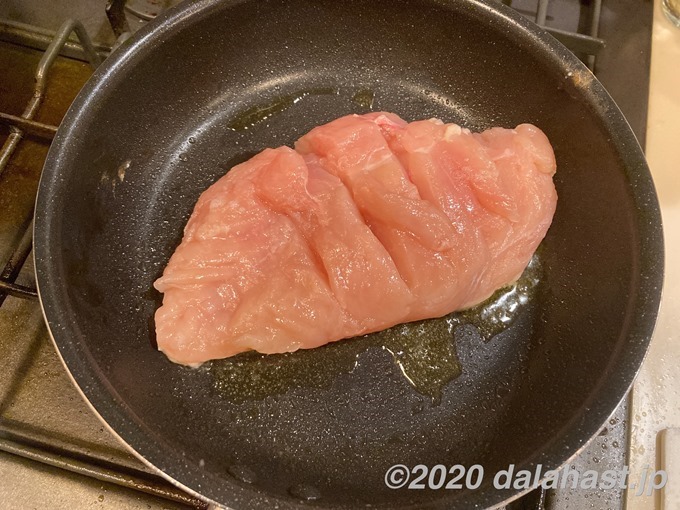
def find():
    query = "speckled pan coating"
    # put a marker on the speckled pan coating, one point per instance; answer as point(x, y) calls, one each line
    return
point(151, 130)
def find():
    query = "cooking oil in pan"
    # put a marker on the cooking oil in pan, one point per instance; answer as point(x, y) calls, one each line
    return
point(256, 114)
point(423, 351)
point(494, 315)
point(364, 98)
point(252, 116)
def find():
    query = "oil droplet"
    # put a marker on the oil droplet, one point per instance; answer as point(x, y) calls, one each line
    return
point(364, 98)
point(425, 354)
point(120, 173)
point(256, 114)
point(497, 313)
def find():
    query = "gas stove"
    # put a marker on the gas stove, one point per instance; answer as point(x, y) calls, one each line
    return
point(54, 452)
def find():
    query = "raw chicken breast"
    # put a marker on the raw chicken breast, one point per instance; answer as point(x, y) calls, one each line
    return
point(498, 183)
point(370, 222)
point(424, 244)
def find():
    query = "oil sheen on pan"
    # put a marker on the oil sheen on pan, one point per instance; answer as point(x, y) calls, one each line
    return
point(369, 223)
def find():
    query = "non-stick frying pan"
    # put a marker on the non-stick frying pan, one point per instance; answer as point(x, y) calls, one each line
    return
point(210, 83)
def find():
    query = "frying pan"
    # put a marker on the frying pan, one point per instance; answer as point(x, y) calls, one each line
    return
point(210, 83)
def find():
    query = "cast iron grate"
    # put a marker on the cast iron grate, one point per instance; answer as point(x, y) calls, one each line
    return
point(19, 126)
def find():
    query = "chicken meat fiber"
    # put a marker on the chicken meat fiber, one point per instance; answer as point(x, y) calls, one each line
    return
point(370, 222)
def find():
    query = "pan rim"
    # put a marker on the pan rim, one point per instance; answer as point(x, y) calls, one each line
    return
point(577, 432)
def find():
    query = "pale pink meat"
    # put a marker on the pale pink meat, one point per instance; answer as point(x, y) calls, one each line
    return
point(498, 183)
point(369, 223)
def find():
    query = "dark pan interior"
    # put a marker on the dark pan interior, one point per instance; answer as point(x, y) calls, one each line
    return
point(165, 117)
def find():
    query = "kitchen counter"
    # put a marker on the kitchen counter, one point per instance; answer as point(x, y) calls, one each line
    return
point(656, 393)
